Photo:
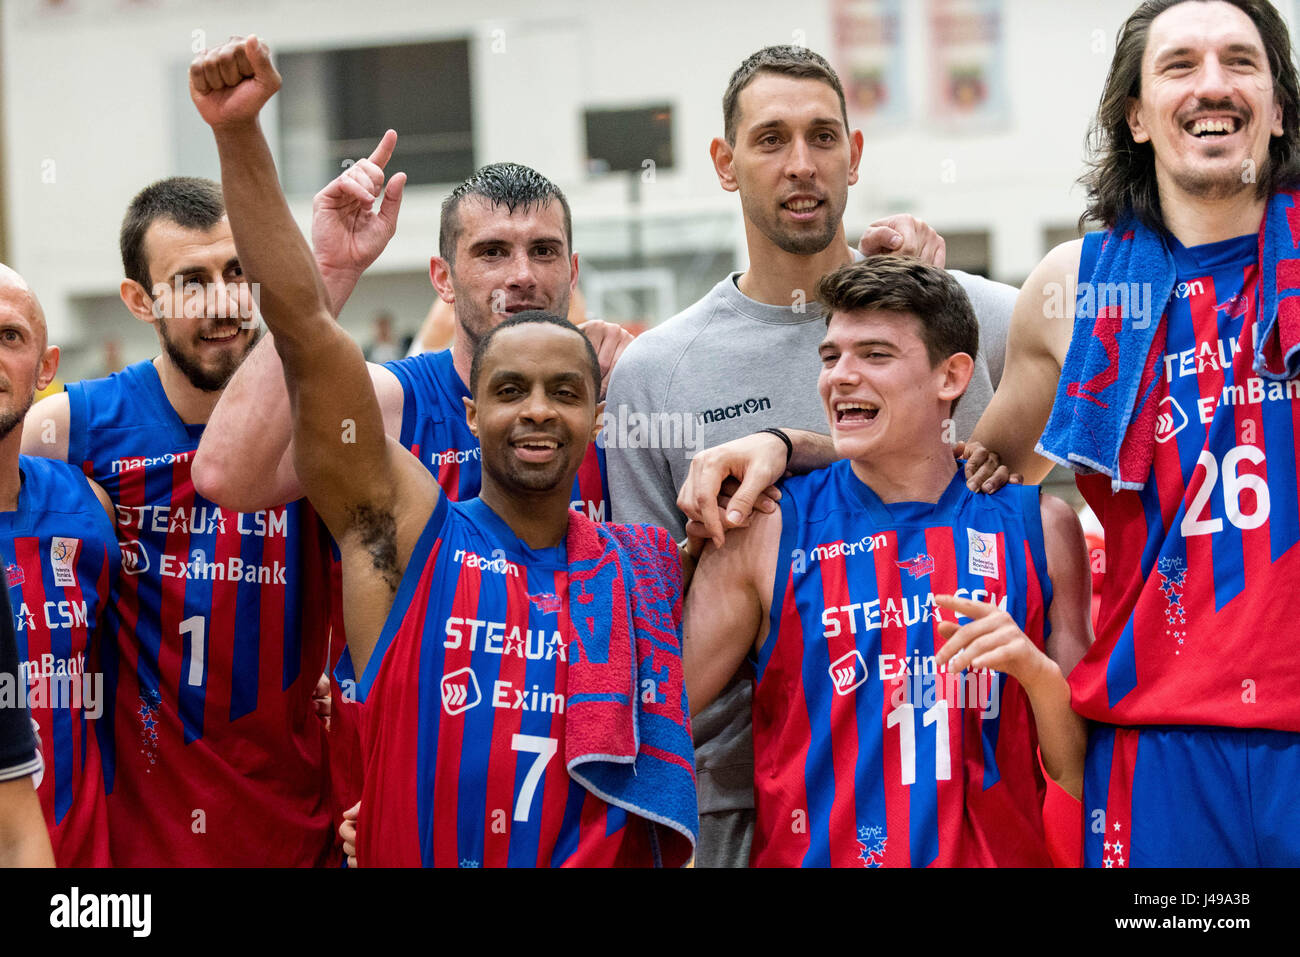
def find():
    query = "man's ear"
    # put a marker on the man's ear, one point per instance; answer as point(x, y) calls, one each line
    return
point(600, 422)
point(48, 368)
point(723, 158)
point(1278, 129)
point(440, 276)
point(137, 299)
point(471, 416)
point(855, 155)
point(955, 372)
point(1135, 124)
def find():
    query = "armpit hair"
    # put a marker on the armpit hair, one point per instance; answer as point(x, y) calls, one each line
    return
point(377, 530)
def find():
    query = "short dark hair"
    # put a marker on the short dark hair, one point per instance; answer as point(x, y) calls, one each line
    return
point(187, 201)
point(531, 317)
point(895, 284)
point(1122, 172)
point(511, 185)
point(798, 62)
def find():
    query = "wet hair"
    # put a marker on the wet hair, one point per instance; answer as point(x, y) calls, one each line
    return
point(1122, 172)
point(187, 201)
point(798, 62)
point(511, 185)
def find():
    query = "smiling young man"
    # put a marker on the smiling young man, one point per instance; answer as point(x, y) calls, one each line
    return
point(1181, 398)
point(887, 732)
point(217, 756)
point(743, 358)
point(520, 664)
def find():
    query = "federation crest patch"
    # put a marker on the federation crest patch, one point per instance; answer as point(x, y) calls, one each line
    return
point(63, 558)
point(983, 550)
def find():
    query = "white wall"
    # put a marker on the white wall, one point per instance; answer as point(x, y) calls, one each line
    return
point(96, 107)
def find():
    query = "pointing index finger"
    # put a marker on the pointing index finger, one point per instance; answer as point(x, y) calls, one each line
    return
point(384, 151)
point(965, 606)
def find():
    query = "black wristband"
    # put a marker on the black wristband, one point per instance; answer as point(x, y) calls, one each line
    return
point(789, 446)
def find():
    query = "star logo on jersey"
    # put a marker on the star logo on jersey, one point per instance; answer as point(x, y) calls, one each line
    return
point(460, 691)
point(871, 844)
point(547, 604)
point(14, 575)
point(848, 672)
point(917, 566)
point(134, 558)
point(1170, 419)
point(1113, 850)
point(63, 559)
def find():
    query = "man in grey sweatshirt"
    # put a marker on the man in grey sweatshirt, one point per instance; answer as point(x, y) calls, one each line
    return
point(744, 358)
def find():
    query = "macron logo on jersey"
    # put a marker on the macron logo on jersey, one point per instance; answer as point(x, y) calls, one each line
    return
point(497, 563)
point(455, 456)
point(460, 691)
point(848, 672)
point(144, 462)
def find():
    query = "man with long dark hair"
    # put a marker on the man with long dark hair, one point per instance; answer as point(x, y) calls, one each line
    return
point(1159, 358)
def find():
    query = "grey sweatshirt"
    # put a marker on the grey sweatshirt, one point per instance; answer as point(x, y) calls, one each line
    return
point(722, 369)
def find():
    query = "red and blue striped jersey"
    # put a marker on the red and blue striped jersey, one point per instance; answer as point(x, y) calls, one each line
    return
point(464, 713)
point(864, 754)
point(1192, 628)
point(435, 431)
point(60, 559)
point(221, 635)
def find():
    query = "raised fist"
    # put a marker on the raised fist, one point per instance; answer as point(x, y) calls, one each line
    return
point(231, 84)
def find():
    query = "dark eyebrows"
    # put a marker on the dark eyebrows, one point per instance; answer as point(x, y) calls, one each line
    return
point(1233, 48)
point(780, 124)
point(503, 376)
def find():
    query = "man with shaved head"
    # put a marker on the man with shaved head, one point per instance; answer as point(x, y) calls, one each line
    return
point(60, 556)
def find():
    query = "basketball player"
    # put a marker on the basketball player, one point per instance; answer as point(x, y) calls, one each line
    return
point(458, 774)
point(877, 741)
point(60, 558)
point(742, 359)
point(211, 674)
point(505, 241)
point(1194, 754)
point(24, 840)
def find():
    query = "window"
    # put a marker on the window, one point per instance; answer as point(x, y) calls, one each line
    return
point(336, 104)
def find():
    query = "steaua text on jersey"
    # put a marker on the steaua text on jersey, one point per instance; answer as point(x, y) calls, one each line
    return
point(1194, 624)
point(60, 559)
point(465, 704)
point(221, 633)
point(864, 753)
point(435, 431)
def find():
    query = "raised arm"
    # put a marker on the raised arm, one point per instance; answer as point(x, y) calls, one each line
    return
point(727, 607)
point(372, 494)
point(245, 459)
point(1036, 346)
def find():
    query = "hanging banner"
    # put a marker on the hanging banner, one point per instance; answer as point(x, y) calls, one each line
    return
point(967, 62)
point(868, 56)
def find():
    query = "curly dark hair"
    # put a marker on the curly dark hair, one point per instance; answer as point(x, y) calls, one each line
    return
point(1122, 174)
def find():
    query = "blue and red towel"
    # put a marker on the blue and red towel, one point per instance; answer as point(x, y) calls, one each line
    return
point(1104, 416)
point(627, 727)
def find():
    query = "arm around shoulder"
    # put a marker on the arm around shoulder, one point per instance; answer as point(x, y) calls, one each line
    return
point(727, 607)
